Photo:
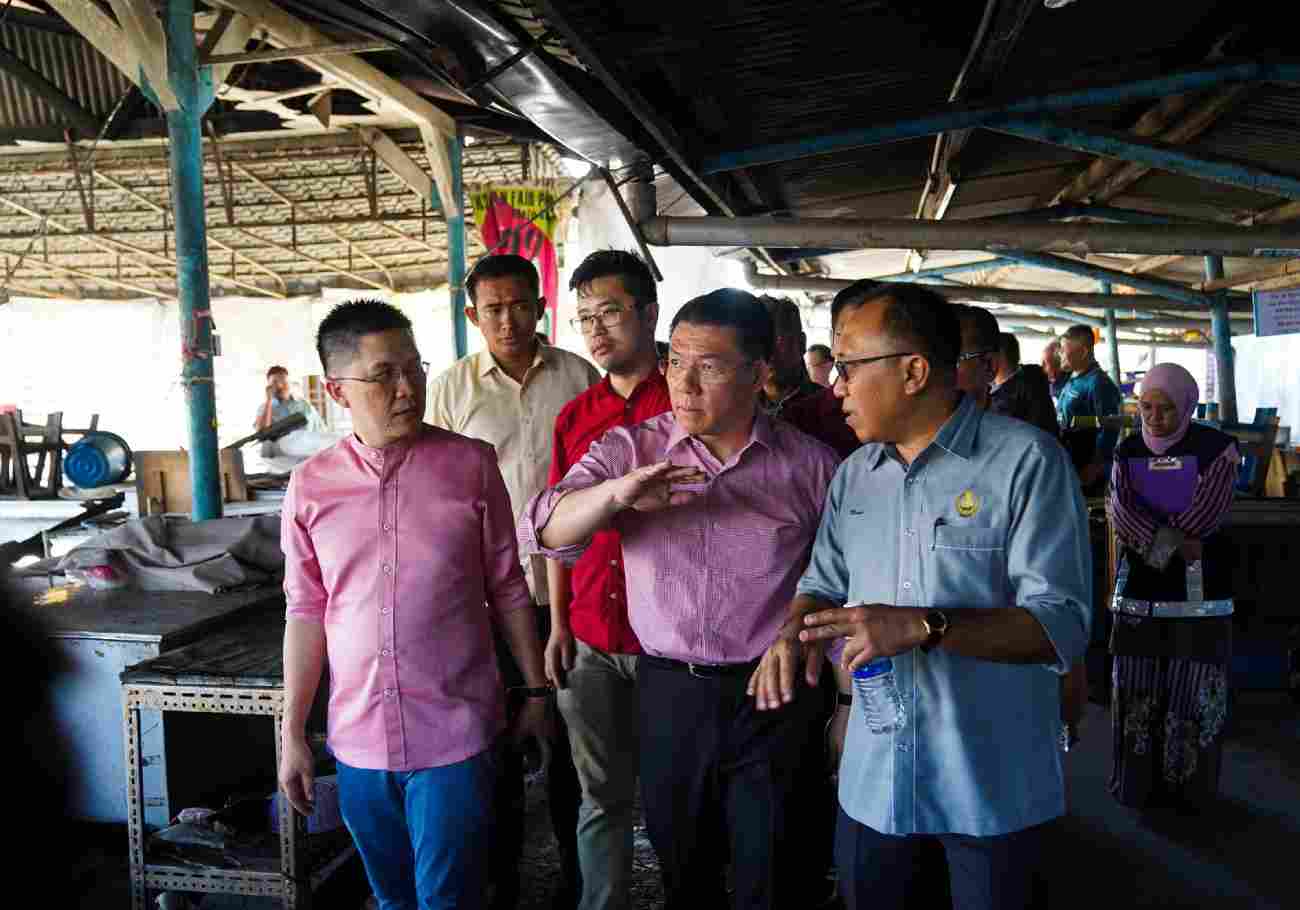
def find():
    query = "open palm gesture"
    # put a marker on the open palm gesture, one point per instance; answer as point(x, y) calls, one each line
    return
point(652, 488)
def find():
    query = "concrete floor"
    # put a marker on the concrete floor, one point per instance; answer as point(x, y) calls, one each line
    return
point(1237, 853)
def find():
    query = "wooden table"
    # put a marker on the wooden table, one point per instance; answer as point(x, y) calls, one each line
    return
point(240, 671)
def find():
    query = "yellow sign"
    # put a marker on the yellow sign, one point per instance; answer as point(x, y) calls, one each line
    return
point(968, 504)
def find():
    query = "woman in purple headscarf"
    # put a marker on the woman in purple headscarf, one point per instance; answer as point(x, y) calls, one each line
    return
point(1172, 631)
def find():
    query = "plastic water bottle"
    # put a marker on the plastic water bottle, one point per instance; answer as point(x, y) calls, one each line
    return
point(877, 688)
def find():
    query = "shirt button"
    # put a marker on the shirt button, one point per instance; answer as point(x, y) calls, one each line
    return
point(910, 481)
point(385, 652)
point(386, 610)
point(387, 526)
point(613, 562)
point(388, 693)
point(613, 596)
point(388, 570)
point(909, 532)
point(907, 586)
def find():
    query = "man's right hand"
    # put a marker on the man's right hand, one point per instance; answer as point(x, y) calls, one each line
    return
point(650, 489)
point(559, 656)
point(298, 773)
point(270, 392)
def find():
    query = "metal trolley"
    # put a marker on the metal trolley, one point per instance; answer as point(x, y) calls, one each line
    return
point(238, 671)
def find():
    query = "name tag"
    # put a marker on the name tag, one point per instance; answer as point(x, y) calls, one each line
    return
point(1167, 463)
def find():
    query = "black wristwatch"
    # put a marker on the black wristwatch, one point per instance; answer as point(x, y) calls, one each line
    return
point(844, 699)
point(535, 692)
point(936, 626)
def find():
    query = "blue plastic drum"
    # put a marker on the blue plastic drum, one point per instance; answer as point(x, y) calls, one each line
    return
point(98, 459)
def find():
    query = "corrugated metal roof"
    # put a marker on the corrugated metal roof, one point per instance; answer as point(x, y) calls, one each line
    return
point(68, 61)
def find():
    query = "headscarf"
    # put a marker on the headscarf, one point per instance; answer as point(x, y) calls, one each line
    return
point(1182, 390)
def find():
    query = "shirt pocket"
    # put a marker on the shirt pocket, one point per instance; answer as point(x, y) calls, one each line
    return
point(969, 566)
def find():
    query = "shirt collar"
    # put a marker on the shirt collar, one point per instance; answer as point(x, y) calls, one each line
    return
point(654, 380)
point(956, 436)
point(399, 447)
point(487, 363)
point(762, 433)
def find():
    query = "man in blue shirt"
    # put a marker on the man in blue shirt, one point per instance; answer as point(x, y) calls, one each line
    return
point(1089, 393)
point(959, 539)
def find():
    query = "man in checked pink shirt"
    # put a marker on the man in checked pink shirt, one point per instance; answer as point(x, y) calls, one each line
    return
point(717, 505)
point(399, 555)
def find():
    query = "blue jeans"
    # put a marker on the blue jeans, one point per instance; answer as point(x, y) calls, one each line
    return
point(423, 836)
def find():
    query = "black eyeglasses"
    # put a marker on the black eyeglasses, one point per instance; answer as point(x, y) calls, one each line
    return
point(839, 368)
point(389, 376)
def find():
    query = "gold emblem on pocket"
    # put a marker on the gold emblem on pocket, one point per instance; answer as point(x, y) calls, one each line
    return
point(968, 504)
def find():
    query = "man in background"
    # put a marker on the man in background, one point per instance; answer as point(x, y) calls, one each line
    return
point(790, 393)
point(1057, 374)
point(1021, 391)
point(979, 345)
point(819, 363)
point(1089, 393)
point(281, 403)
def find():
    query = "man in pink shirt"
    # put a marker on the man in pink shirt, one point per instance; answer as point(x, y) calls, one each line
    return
point(717, 505)
point(399, 555)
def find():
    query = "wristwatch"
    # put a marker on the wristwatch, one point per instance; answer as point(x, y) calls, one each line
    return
point(844, 699)
point(536, 691)
point(936, 626)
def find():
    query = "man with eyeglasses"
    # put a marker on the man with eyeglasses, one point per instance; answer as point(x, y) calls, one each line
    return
point(400, 557)
point(956, 543)
point(592, 652)
point(790, 392)
point(979, 345)
point(509, 395)
point(716, 504)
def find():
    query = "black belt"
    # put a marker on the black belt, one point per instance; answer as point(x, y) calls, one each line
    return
point(703, 671)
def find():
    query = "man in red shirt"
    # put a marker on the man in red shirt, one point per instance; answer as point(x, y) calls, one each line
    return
point(591, 654)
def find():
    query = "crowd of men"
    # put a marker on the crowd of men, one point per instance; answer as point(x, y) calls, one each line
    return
point(691, 556)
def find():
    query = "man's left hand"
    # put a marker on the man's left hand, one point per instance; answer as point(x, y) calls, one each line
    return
point(871, 630)
point(772, 683)
point(534, 720)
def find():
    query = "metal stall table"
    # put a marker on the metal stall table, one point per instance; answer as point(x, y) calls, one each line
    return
point(238, 671)
point(98, 634)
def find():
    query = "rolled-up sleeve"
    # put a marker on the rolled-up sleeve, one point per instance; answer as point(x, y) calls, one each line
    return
point(1049, 557)
point(304, 592)
point(608, 457)
point(504, 586)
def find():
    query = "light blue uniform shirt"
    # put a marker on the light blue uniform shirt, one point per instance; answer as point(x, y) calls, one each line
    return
point(988, 515)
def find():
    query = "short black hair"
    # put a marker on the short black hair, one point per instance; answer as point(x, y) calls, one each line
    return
point(276, 369)
point(1082, 334)
point(983, 326)
point(340, 332)
point(1009, 345)
point(821, 349)
point(735, 309)
point(916, 316)
point(786, 318)
point(630, 268)
point(502, 265)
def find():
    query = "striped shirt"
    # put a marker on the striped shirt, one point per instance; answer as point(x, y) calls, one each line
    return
point(1136, 521)
point(708, 581)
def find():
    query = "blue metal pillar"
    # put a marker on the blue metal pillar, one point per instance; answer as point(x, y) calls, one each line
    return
point(456, 249)
point(1226, 377)
point(193, 90)
point(1112, 336)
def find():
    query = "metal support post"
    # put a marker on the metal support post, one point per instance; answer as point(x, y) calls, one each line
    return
point(193, 91)
point(456, 250)
point(1226, 378)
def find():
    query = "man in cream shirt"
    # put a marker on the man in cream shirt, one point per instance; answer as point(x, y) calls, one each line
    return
point(509, 395)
